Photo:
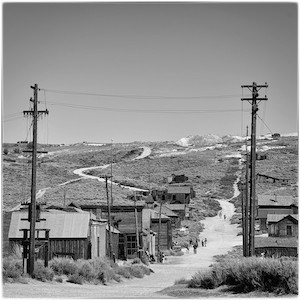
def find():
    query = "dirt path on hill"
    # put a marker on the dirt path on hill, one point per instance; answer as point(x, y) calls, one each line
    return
point(81, 172)
point(221, 235)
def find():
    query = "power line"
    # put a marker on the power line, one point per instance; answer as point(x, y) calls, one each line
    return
point(134, 96)
point(264, 123)
point(126, 110)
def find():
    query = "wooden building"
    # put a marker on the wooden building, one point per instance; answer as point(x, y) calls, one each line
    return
point(181, 210)
point(274, 204)
point(282, 225)
point(124, 218)
point(180, 193)
point(164, 233)
point(75, 234)
point(174, 217)
point(276, 247)
point(271, 179)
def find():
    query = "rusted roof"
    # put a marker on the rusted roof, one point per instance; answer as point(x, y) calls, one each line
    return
point(61, 224)
point(274, 218)
point(276, 200)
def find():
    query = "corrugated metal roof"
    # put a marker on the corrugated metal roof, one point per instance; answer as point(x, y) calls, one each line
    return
point(274, 218)
point(276, 200)
point(61, 225)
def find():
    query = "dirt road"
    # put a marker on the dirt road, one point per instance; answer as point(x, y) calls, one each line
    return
point(221, 235)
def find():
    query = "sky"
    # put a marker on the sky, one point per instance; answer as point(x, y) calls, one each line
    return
point(147, 71)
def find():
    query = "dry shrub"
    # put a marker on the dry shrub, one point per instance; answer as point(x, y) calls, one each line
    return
point(12, 268)
point(42, 273)
point(268, 275)
point(63, 265)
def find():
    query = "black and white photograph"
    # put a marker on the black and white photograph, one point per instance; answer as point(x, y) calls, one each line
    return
point(149, 149)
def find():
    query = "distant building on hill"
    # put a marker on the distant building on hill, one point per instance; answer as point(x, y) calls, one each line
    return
point(180, 193)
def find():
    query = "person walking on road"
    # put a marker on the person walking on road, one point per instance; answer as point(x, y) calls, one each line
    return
point(205, 241)
point(195, 246)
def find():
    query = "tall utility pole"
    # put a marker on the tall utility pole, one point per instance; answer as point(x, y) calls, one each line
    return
point(136, 225)
point(35, 113)
point(109, 220)
point(159, 227)
point(253, 101)
point(246, 205)
point(111, 175)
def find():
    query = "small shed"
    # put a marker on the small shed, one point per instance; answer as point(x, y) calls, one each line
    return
point(282, 225)
point(74, 234)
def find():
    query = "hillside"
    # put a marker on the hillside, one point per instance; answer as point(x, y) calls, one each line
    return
point(211, 170)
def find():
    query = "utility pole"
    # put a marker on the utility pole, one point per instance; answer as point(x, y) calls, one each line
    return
point(136, 225)
point(246, 206)
point(111, 175)
point(253, 101)
point(109, 220)
point(35, 113)
point(159, 228)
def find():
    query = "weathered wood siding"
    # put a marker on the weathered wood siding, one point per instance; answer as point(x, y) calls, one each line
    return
point(280, 228)
point(277, 252)
point(165, 234)
point(76, 248)
point(127, 225)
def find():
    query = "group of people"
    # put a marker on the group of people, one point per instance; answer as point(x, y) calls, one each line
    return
point(195, 244)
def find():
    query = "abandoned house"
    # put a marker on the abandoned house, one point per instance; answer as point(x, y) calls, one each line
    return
point(180, 193)
point(274, 204)
point(75, 234)
point(282, 225)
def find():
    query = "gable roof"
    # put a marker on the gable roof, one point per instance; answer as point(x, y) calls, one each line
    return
point(274, 218)
point(61, 224)
point(149, 199)
point(276, 200)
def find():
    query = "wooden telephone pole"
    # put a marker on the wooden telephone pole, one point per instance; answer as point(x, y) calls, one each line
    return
point(254, 101)
point(35, 113)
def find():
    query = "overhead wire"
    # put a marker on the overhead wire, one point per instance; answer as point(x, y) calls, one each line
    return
point(166, 111)
point(135, 96)
point(264, 123)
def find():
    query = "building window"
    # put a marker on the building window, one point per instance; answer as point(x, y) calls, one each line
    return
point(289, 230)
point(131, 244)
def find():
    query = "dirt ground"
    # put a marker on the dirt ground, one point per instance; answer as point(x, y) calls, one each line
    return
point(221, 236)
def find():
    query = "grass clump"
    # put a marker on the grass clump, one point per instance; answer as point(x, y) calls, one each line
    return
point(250, 274)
